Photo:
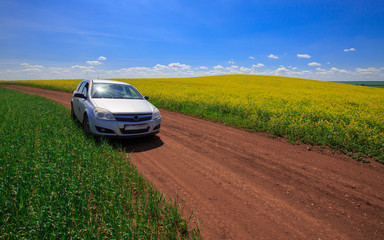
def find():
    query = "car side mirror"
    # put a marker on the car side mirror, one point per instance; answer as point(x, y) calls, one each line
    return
point(146, 97)
point(80, 95)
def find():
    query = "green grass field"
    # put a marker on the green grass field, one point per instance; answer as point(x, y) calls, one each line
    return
point(343, 117)
point(378, 84)
point(56, 183)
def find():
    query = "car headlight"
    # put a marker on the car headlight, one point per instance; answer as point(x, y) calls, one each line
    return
point(156, 114)
point(103, 114)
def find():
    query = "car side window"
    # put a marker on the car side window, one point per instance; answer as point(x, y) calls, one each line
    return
point(80, 86)
point(85, 90)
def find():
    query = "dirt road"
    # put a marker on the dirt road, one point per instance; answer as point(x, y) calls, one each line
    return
point(242, 185)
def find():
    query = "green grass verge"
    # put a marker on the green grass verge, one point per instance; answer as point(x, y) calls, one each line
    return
point(56, 183)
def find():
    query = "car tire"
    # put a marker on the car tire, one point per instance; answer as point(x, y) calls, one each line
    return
point(72, 112)
point(86, 127)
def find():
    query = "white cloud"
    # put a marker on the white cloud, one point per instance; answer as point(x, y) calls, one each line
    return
point(245, 70)
point(333, 69)
point(31, 68)
point(59, 70)
point(27, 65)
point(93, 62)
point(29, 71)
point(350, 50)
point(178, 66)
point(133, 70)
point(258, 65)
point(252, 57)
point(159, 67)
point(370, 70)
point(289, 71)
point(273, 56)
point(231, 61)
point(229, 70)
point(303, 56)
point(218, 67)
point(314, 64)
point(232, 67)
point(83, 68)
point(282, 69)
point(175, 67)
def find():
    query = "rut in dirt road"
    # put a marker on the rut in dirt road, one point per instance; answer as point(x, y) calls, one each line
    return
point(242, 185)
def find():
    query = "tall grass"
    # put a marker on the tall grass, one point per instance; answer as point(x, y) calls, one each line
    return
point(56, 183)
point(341, 116)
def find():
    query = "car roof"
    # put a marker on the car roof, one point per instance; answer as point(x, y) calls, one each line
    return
point(108, 81)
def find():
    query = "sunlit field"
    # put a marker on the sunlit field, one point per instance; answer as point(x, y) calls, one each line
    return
point(344, 117)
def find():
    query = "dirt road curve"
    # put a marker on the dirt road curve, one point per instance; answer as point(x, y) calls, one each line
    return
point(242, 185)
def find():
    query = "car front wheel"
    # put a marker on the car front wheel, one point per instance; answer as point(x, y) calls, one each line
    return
point(86, 127)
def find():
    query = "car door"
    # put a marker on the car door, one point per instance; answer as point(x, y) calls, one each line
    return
point(81, 102)
point(75, 100)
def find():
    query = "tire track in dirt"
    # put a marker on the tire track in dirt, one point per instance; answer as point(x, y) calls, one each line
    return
point(242, 185)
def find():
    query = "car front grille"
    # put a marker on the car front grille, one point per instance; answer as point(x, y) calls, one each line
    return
point(133, 117)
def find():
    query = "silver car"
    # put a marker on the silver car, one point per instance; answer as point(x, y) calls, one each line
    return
point(112, 108)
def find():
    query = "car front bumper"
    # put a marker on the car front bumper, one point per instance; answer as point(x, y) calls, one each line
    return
point(124, 129)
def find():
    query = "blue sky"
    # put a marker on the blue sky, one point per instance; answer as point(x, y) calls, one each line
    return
point(324, 40)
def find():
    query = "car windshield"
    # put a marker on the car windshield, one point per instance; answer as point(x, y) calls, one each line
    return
point(113, 90)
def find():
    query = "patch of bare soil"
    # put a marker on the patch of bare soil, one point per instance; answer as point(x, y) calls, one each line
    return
point(243, 185)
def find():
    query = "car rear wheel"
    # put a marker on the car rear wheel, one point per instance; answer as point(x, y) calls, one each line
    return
point(72, 112)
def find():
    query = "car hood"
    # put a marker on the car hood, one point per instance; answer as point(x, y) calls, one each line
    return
point(124, 105)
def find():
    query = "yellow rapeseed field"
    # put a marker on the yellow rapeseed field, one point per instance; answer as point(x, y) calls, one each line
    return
point(344, 117)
